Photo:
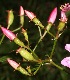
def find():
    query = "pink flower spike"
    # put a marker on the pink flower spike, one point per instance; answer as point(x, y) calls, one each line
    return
point(63, 17)
point(66, 62)
point(53, 15)
point(30, 14)
point(13, 63)
point(8, 33)
point(21, 11)
point(67, 47)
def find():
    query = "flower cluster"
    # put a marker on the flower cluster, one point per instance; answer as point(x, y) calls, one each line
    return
point(25, 50)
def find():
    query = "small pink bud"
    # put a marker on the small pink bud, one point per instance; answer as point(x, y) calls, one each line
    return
point(66, 62)
point(63, 17)
point(53, 15)
point(21, 11)
point(67, 47)
point(13, 63)
point(8, 33)
point(30, 14)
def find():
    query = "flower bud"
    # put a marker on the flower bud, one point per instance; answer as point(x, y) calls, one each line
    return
point(21, 15)
point(30, 14)
point(10, 18)
point(20, 43)
point(52, 16)
point(25, 34)
point(13, 63)
point(12, 36)
point(34, 19)
point(16, 66)
point(61, 26)
point(37, 22)
point(28, 69)
point(23, 71)
point(21, 11)
point(8, 33)
point(63, 17)
point(63, 20)
point(25, 54)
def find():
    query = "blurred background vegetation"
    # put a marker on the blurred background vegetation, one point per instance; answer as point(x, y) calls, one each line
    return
point(42, 9)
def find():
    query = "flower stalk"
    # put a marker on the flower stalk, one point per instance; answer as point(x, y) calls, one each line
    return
point(56, 65)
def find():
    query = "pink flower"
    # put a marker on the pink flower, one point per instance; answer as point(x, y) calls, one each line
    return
point(65, 7)
point(21, 11)
point(66, 62)
point(63, 17)
point(8, 33)
point(67, 47)
point(53, 15)
point(13, 63)
point(30, 14)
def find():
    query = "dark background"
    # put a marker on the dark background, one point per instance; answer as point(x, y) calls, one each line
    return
point(42, 9)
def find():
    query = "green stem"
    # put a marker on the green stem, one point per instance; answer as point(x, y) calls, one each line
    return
point(37, 69)
point(51, 34)
point(2, 39)
point(39, 31)
point(37, 44)
point(56, 65)
point(45, 32)
point(35, 56)
point(40, 40)
point(16, 29)
point(59, 67)
point(52, 52)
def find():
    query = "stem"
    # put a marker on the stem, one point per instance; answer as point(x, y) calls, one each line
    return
point(16, 29)
point(45, 32)
point(40, 40)
point(37, 69)
point(56, 65)
point(52, 52)
point(35, 56)
point(2, 39)
point(37, 44)
point(59, 67)
point(51, 34)
point(39, 31)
